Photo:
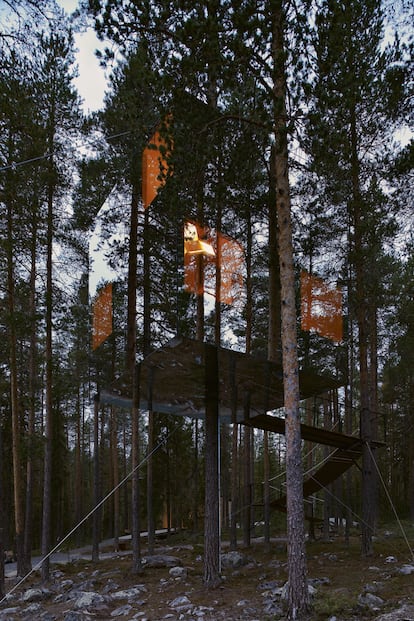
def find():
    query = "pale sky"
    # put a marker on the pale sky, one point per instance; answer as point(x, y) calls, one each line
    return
point(91, 82)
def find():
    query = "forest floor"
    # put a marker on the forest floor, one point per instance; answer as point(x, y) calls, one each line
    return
point(338, 572)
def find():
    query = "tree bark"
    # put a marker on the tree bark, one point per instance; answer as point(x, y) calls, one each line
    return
point(14, 399)
point(274, 323)
point(274, 343)
point(266, 487)
point(133, 373)
point(115, 475)
point(368, 516)
point(196, 476)
point(96, 483)
point(136, 531)
point(373, 400)
point(349, 390)
point(247, 495)
point(47, 477)
point(32, 396)
point(78, 463)
point(211, 520)
point(326, 449)
point(234, 457)
point(234, 486)
point(309, 465)
point(298, 597)
point(150, 470)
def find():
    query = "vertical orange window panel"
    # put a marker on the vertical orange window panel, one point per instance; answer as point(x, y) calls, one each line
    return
point(231, 259)
point(102, 316)
point(321, 307)
point(155, 166)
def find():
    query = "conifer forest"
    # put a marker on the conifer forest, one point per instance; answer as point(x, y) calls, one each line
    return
point(245, 194)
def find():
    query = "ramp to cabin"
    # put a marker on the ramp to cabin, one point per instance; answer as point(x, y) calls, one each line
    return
point(348, 449)
point(332, 468)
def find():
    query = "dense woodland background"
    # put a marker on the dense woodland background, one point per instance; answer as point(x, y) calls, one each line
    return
point(349, 124)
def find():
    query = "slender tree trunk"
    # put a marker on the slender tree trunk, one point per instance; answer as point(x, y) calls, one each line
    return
point(249, 284)
point(348, 480)
point(102, 470)
point(247, 434)
point(274, 326)
point(326, 495)
point(338, 485)
point(150, 470)
point(252, 482)
point(146, 351)
point(298, 597)
point(234, 458)
point(115, 472)
point(349, 402)
point(125, 497)
point(96, 534)
point(14, 399)
point(368, 517)
point(309, 451)
point(274, 342)
point(78, 464)
point(196, 476)
point(363, 340)
point(274, 346)
point(373, 400)
point(247, 496)
point(234, 486)
point(136, 531)
point(114, 457)
point(134, 380)
point(211, 520)
point(47, 477)
point(225, 469)
point(266, 486)
point(32, 398)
